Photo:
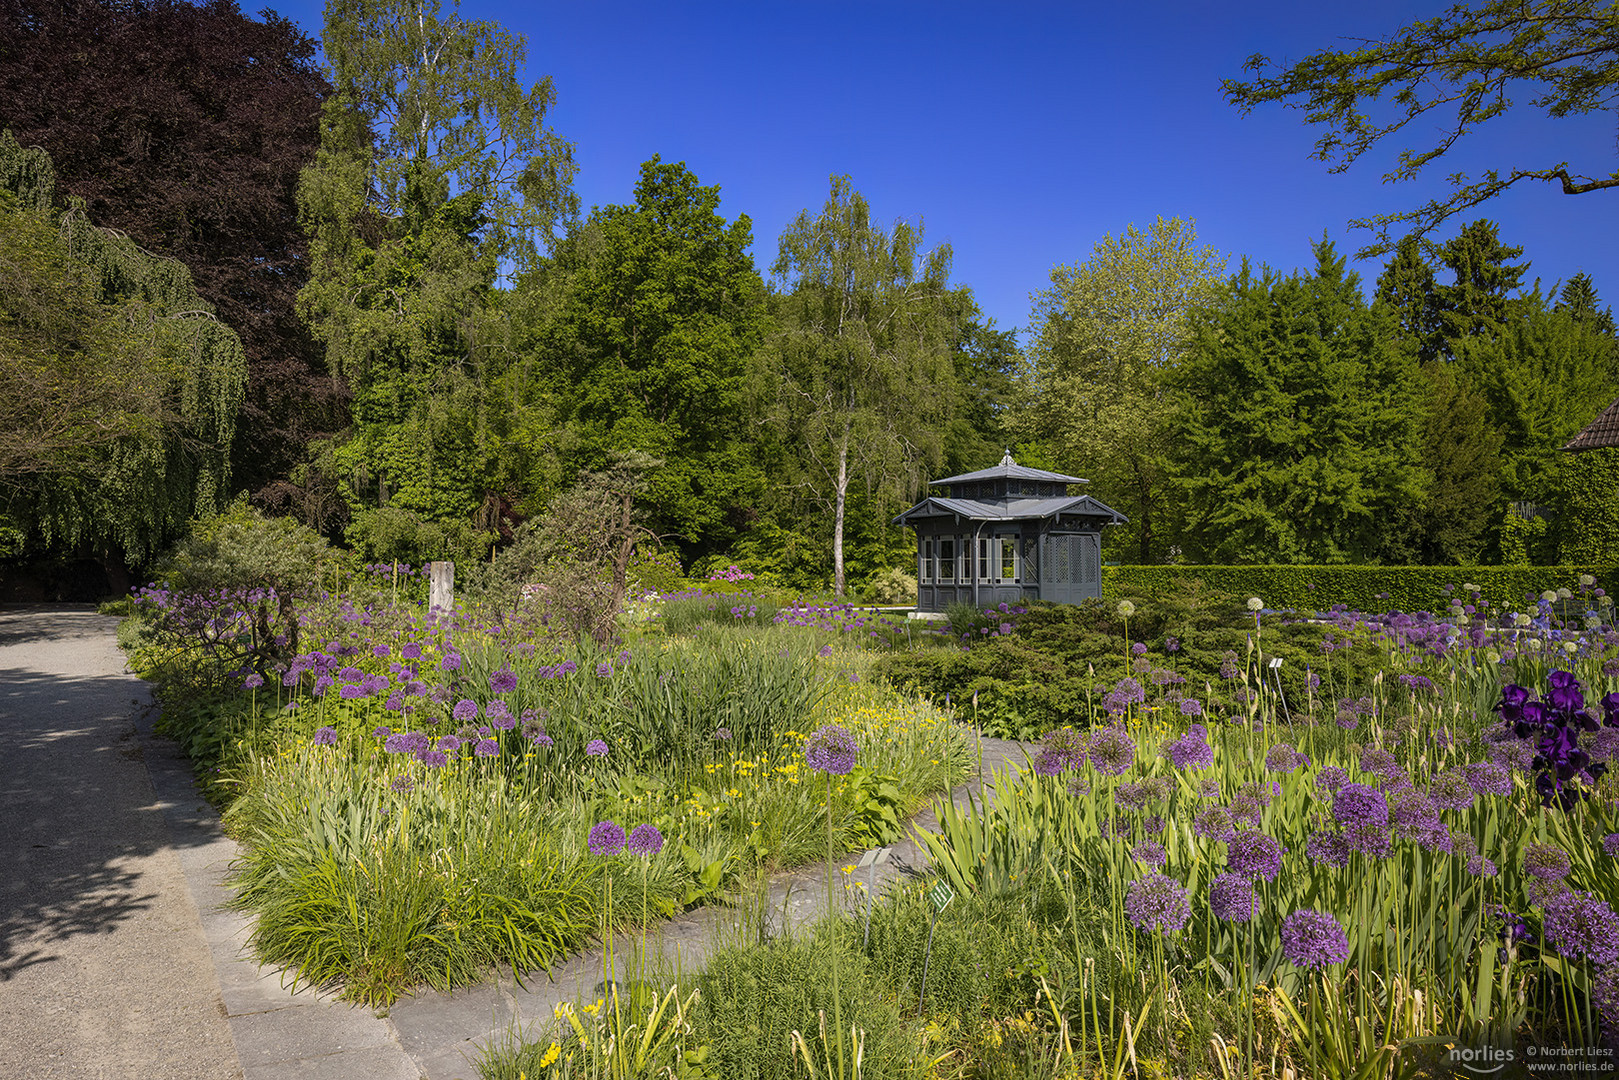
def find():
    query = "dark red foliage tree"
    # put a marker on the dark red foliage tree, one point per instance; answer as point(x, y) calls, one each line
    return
point(186, 127)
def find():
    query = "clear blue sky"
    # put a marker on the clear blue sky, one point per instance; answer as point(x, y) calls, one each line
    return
point(1020, 133)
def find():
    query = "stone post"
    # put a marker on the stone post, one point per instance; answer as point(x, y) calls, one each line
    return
point(441, 589)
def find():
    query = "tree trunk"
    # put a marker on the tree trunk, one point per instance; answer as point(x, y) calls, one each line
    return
point(841, 497)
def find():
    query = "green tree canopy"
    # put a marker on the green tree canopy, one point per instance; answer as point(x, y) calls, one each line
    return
point(1297, 433)
point(1447, 76)
point(1106, 334)
point(119, 389)
point(660, 311)
point(859, 380)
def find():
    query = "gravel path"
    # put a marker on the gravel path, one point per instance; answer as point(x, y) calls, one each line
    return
point(118, 958)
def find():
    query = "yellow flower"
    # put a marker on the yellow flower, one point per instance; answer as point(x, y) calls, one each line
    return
point(551, 1054)
point(595, 1007)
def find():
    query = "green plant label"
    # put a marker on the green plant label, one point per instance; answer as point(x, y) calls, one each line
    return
point(940, 896)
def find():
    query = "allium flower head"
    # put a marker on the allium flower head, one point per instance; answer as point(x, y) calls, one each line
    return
point(606, 838)
point(1357, 804)
point(1231, 898)
point(1372, 840)
point(326, 736)
point(1488, 778)
point(1061, 748)
point(1254, 855)
point(1605, 994)
point(1313, 939)
point(1451, 791)
point(596, 748)
point(1479, 866)
point(1378, 762)
point(1610, 845)
point(449, 743)
point(253, 681)
point(645, 841)
point(1327, 847)
point(1112, 751)
point(433, 759)
point(1208, 789)
point(1331, 779)
point(500, 715)
point(503, 681)
point(1192, 751)
point(1281, 758)
point(1191, 707)
point(486, 748)
point(1255, 604)
point(1157, 902)
point(403, 783)
point(465, 709)
point(1139, 649)
point(1580, 924)
point(1150, 852)
point(831, 749)
point(1126, 608)
point(1546, 862)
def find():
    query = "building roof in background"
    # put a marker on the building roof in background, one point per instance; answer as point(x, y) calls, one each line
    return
point(1009, 470)
point(1012, 510)
point(1600, 433)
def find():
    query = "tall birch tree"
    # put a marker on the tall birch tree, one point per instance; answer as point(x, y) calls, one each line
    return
point(859, 377)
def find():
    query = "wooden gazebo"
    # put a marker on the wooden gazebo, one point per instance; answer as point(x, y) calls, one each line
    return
point(1007, 534)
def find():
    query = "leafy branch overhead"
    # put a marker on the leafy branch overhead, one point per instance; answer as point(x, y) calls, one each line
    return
point(1450, 75)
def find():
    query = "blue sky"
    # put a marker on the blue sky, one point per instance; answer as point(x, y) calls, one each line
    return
point(1020, 133)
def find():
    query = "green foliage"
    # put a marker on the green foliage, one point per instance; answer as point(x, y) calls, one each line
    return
point(1297, 434)
point(859, 379)
point(658, 311)
point(389, 533)
point(120, 388)
point(1372, 589)
point(240, 548)
point(1586, 529)
point(1446, 76)
point(753, 999)
point(1107, 334)
point(890, 587)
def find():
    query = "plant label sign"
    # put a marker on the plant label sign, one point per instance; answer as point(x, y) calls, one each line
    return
point(940, 896)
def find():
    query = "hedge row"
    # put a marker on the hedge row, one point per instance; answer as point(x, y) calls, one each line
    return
point(1361, 588)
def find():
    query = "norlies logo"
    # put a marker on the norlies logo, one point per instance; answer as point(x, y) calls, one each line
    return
point(1482, 1060)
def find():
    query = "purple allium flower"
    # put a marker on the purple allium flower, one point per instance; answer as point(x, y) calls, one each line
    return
point(433, 759)
point(596, 748)
point(1156, 902)
point(1605, 994)
point(449, 743)
point(1488, 778)
point(1228, 666)
point(450, 662)
point(645, 841)
point(1132, 796)
point(605, 838)
point(1208, 789)
point(399, 742)
point(1246, 808)
point(542, 740)
point(722, 734)
point(1313, 939)
point(1281, 758)
point(1215, 824)
point(350, 691)
point(465, 709)
point(382, 732)
point(411, 651)
point(1192, 751)
point(253, 681)
point(1125, 692)
point(326, 736)
point(1139, 649)
point(1357, 804)
point(1546, 862)
point(831, 749)
point(1378, 761)
point(1412, 812)
point(1610, 845)
point(1327, 848)
point(1062, 748)
point(1451, 791)
point(503, 681)
point(604, 669)
point(1479, 866)
point(1372, 840)
point(486, 748)
point(379, 651)
point(1254, 855)
point(403, 783)
point(1331, 779)
point(1150, 852)
point(500, 715)
point(1112, 751)
point(1580, 924)
point(1191, 707)
point(1231, 898)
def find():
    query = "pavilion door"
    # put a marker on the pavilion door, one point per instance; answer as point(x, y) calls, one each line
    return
point(1072, 567)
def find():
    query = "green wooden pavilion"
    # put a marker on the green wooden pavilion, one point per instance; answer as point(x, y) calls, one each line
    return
point(1007, 534)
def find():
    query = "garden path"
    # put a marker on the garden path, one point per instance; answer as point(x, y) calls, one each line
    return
point(118, 955)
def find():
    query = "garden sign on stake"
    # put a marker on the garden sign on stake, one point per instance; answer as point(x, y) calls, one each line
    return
point(939, 897)
point(871, 859)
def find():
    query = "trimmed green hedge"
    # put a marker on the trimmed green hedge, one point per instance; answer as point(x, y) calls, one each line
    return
point(1361, 588)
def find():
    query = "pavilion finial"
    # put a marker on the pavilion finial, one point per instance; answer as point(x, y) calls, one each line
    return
point(1007, 460)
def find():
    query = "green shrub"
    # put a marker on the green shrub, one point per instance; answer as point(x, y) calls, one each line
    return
point(890, 587)
point(1373, 589)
